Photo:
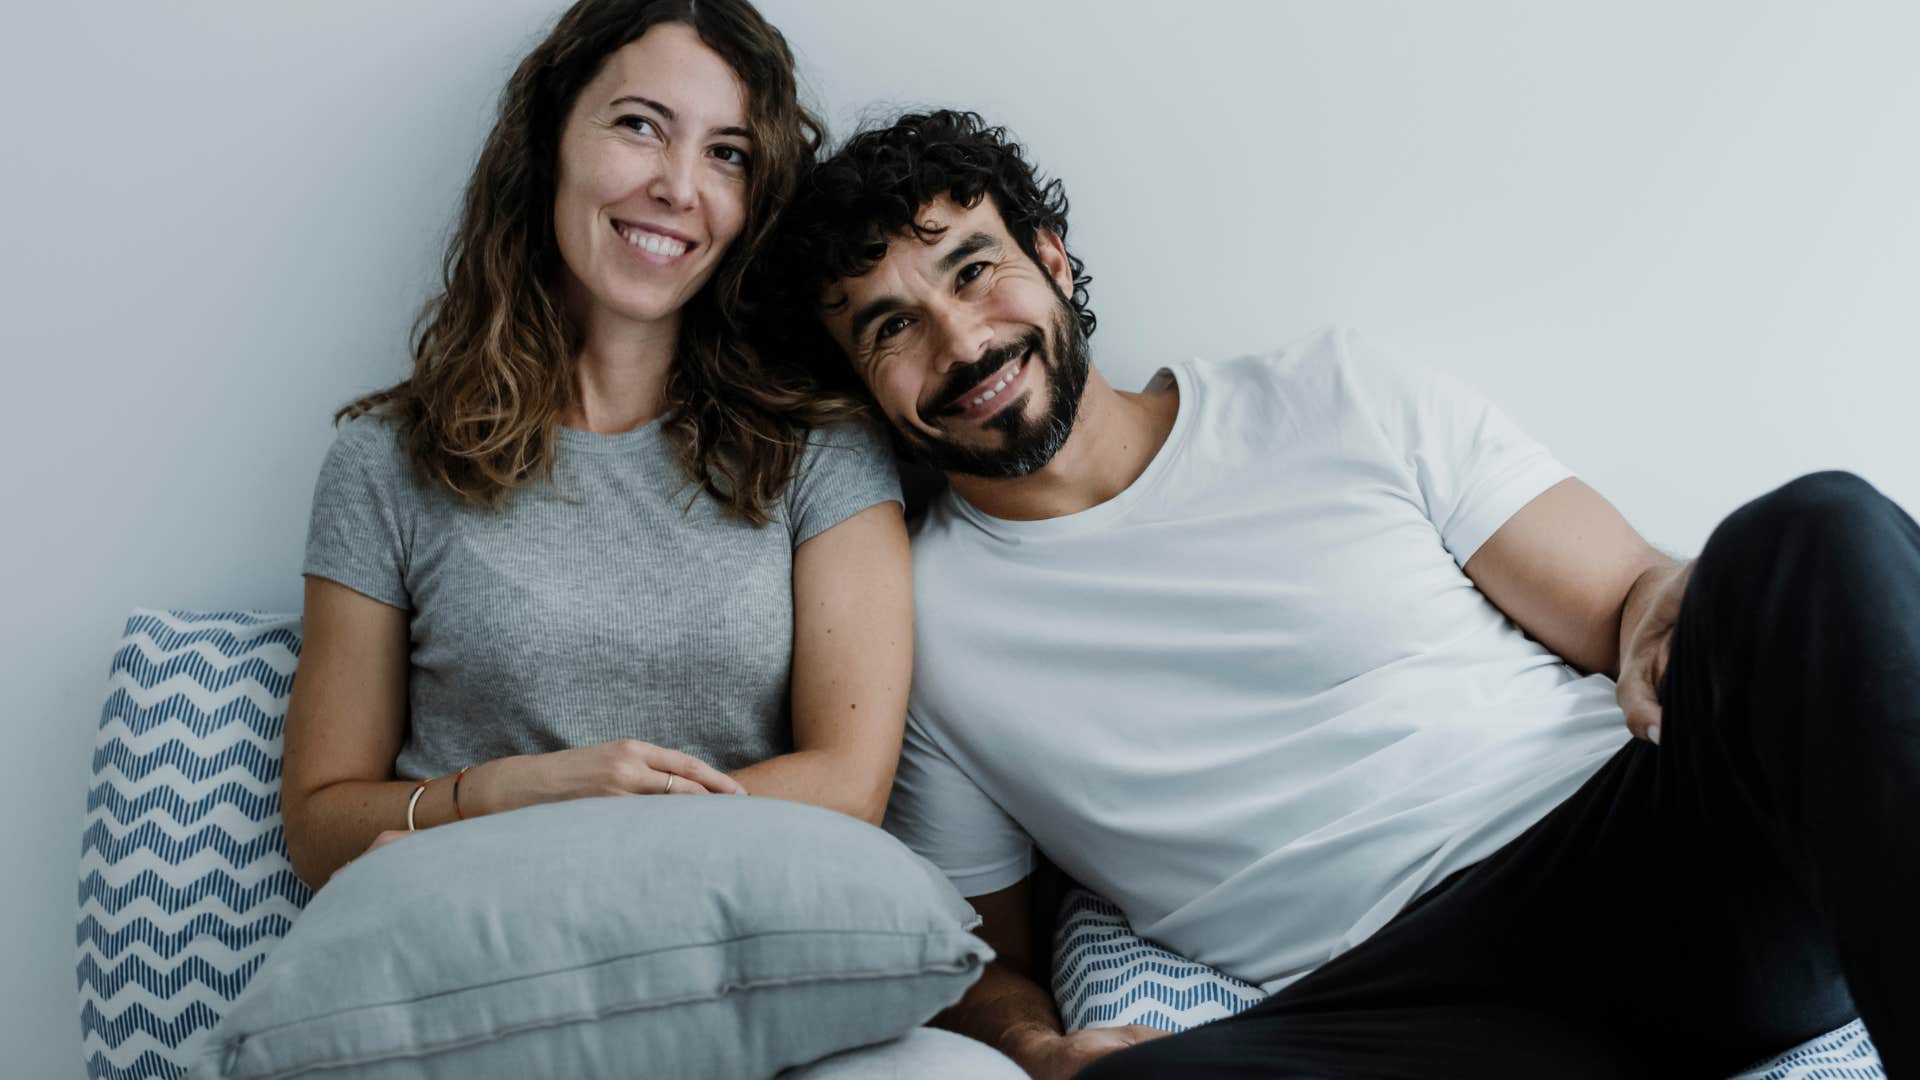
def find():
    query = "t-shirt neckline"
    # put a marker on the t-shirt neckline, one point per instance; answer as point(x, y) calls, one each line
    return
point(1107, 513)
point(621, 442)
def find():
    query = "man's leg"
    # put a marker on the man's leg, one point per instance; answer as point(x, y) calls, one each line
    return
point(1788, 780)
point(1692, 907)
point(1441, 1042)
point(1467, 982)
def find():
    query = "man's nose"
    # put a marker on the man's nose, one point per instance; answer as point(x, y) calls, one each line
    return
point(961, 335)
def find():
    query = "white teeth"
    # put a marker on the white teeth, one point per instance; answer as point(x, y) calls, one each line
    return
point(999, 386)
point(655, 243)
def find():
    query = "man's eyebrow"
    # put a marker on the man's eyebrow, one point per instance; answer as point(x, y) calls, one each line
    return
point(668, 114)
point(966, 249)
point(873, 309)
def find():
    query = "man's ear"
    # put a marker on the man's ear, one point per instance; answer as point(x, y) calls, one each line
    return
point(1053, 259)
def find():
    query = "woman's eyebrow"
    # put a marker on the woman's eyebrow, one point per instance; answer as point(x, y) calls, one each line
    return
point(668, 114)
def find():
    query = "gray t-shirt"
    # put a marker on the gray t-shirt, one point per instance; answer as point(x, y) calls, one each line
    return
point(640, 609)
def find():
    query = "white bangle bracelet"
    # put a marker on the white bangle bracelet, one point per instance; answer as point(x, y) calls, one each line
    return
point(414, 800)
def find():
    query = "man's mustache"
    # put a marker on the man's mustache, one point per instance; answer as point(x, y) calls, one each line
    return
point(963, 379)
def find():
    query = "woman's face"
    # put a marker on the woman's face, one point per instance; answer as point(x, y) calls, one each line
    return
point(653, 177)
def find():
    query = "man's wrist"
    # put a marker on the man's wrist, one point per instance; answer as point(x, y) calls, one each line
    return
point(1639, 595)
point(1027, 1041)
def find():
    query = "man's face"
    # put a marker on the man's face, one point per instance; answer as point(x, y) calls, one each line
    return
point(968, 344)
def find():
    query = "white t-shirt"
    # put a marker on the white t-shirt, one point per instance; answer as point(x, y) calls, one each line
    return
point(1253, 699)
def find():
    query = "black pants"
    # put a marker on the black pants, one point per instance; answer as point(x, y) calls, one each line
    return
point(1695, 906)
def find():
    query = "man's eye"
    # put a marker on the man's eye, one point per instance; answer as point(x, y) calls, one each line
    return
point(889, 328)
point(638, 124)
point(971, 271)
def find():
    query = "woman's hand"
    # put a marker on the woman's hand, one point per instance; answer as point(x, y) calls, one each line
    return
point(383, 840)
point(380, 841)
point(619, 767)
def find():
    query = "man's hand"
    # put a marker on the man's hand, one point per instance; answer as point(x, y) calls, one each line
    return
point(1646, 644)
point(1047, 1056)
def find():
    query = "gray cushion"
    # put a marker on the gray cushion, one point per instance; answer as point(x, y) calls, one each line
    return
point(684, 936)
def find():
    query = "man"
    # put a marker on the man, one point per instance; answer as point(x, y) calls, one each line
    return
point(1318, 667)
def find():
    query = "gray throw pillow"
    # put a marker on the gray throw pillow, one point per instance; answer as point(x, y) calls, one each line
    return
point(691, 936)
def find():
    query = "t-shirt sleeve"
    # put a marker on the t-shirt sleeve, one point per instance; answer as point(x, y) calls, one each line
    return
point(1473, 467)
point(358, 532)
point(843, 470)
point(939, 812)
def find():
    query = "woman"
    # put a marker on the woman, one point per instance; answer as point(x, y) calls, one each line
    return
point(594, 546)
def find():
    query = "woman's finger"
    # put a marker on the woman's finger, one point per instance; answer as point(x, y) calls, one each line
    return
point(692, 770)
point(675, 784)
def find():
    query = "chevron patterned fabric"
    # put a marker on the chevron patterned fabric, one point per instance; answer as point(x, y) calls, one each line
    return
point(184, 879)
point(1104, 975)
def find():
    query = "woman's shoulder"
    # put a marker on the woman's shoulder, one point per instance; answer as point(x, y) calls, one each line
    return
point(862, 435)
point(857, 445)
point(844, 468)
point(371, 446)
point(370, 437)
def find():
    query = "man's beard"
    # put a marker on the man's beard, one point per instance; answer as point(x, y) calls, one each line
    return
point(1029, 444)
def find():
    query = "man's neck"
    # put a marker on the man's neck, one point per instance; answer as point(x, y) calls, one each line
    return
point(1114, 438)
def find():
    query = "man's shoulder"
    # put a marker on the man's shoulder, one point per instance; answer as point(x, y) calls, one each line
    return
point(1327, 348)
point(1306, 384)
point(942, 529)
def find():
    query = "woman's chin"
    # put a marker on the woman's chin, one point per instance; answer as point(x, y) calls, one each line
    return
point(640, 308)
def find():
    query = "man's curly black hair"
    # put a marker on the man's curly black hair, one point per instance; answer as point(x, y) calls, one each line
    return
point(850, 206)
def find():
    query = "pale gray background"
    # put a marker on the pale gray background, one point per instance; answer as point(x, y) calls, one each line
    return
point(1680, 243)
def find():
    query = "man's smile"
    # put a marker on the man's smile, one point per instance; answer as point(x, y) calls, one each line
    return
point(992, 393)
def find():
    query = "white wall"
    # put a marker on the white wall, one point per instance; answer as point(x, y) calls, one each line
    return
point(1680, 243)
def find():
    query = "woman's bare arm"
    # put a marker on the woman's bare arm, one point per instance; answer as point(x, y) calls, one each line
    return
point(852, 659)
point(345, 724)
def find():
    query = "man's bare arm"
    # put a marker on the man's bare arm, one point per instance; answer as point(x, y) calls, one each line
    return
point(1009, 1008)
point(1578, 579)
point(1563, 568)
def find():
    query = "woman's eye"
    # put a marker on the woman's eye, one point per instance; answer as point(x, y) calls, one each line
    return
point(638, 124)
point(732, 155)
point(889, 328)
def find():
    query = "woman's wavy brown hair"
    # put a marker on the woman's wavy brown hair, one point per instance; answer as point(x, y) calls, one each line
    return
point(494, 353)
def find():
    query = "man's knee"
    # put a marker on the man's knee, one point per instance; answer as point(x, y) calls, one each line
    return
point(1820, 513)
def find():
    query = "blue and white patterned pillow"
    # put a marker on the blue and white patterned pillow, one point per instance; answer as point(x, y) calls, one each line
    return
point(1847, 1054)
point(1104, 975)
point(184, 880)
